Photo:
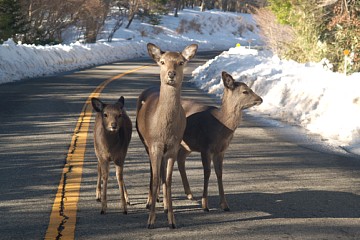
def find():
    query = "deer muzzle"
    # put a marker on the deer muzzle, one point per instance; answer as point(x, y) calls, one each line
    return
point(171, 78)
point(113, 127)
point(258, 101)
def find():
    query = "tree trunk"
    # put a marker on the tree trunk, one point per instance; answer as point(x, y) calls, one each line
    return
point(202, 6)
point(224, 4)
point(177, 5)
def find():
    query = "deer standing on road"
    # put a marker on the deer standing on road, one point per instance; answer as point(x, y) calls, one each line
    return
point(209, 130)
point(112, 135)
point(161, 122)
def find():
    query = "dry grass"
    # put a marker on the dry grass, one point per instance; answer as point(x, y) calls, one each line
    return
point(157, 30)
point(195, 26)
point(276, 36)
point(143, 33)
point(187, 26)
point(182, 25)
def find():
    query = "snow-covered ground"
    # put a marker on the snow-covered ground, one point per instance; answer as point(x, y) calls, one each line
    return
point(307, 95)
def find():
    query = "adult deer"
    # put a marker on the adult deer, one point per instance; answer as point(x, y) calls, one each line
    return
point(112, 134)
point(209, 130)
point(161, 122)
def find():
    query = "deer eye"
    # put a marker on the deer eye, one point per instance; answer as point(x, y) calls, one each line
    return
point(162, 62)
point(105, 115)
point(181, 63)
point(245, 92)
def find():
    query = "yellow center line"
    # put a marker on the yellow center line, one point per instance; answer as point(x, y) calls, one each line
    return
point(63, 215)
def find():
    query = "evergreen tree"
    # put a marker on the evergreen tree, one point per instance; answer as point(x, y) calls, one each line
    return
point(12, 20)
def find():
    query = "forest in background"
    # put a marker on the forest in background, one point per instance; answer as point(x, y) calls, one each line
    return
point(302, 30)
point(44, 21)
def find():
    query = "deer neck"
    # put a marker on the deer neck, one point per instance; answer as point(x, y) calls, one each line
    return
point(229, 114)
point(111, 137)
point(169, 99)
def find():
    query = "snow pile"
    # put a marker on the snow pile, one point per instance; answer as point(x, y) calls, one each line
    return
point(23, 61)
point(19, 61)
point(321, 101)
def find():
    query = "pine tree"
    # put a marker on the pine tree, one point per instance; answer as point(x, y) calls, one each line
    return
point(12, 21)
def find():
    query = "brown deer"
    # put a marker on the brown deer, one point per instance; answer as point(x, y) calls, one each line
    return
point(112, 135)
point(160, 123)
point(209, 130)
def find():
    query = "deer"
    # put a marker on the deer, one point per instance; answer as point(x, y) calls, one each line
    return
point(209, 130)
point(160, 123)
point(112, 135)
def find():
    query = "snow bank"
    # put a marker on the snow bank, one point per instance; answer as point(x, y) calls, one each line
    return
point(321, 101)
point(26, 61)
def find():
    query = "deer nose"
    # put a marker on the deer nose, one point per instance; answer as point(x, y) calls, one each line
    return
point(171, 74)
point(259, 101)
point(113, 125)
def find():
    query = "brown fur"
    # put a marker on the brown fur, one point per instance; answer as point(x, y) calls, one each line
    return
point(112, 135)
point(209, 130)
point(161, 122)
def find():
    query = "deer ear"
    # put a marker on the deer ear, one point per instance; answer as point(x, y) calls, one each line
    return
point(228, 80)
point(154, 52)
point(97, 104)
point(121, 100)
point(189, 52)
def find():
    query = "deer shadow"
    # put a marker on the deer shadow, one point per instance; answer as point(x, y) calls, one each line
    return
point(297, 204)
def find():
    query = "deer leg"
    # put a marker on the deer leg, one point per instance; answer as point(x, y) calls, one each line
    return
point(98, 184)
point(182, 155)
point(149, 200)
point(218, 165)
point(123, 193)
point(163, 181)
point(167, 189)
point(206, 161)
point(126, 195)
point(105, 175)
point(155, 158)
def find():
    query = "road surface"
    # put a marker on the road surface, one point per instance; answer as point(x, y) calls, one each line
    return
point(277, 186)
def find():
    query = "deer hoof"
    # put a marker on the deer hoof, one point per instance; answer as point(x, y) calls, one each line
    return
point(206, 210)
point(125, 212)
point(151, 226)
point(102, 212)
point(98, 200)
point(190, 196)
point(147, 206)
point(226, 209)
point(172, 226)
point(166, 211)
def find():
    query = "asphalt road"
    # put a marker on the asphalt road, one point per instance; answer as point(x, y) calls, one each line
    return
point(276, 187)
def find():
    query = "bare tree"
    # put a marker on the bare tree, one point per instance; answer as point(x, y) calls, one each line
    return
point(118, 15)
point(48, 19)
point(133, 7)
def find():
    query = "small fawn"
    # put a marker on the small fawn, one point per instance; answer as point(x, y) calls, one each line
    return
point(112, 135)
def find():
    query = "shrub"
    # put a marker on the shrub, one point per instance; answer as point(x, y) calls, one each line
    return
point(276, 35)
point(344, 34)
point(182, 25)
point(305, 30)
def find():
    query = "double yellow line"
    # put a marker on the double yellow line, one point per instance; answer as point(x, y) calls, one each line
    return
point(63, 215)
